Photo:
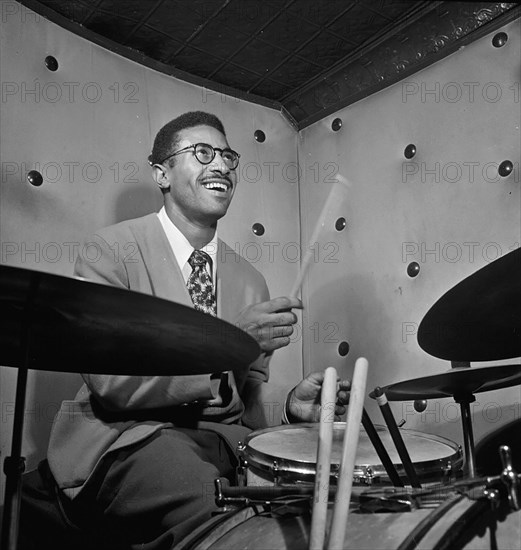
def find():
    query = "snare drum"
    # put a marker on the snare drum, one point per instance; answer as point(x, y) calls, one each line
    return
point(286, 454)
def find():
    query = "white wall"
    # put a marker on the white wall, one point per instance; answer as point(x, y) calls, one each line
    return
point(398, 210)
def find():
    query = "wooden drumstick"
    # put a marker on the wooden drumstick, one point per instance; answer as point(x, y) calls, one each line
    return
point(308, 255)
point(347, 465)
point(381, 450)
point(325, 443)
point(385, 409)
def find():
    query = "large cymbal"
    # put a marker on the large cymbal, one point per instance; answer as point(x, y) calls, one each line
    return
point(479, 319)
point(81, 326)
point(454, 382)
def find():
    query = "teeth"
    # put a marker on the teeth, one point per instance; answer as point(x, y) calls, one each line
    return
point(215, 186)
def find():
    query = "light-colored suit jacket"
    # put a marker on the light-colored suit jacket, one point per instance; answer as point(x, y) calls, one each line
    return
point(136, 255)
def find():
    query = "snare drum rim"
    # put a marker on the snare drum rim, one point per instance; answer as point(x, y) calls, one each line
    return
point(293, 469)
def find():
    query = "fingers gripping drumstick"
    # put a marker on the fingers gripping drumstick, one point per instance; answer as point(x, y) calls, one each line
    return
point(333, 198)
point(325, 443)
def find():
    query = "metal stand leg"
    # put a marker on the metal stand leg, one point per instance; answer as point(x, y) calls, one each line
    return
point(468, 434)
point(14, 467)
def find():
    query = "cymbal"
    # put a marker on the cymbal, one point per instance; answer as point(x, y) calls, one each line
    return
point(77, 325)
point(479, 319)
point(454, 382)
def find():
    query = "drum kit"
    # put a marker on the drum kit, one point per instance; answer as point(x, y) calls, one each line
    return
point(55, 323)
point(65, 324)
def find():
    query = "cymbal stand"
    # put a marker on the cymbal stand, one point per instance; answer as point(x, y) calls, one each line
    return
point(14, 465)
point(464, 401)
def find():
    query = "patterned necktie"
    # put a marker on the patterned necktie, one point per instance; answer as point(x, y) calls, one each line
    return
point(200, 284)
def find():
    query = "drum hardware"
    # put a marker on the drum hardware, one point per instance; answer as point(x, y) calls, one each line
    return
point(458, 523)
point(390, 499)
point(468, 433)
point(446, 471)
point(461, 383)
point(261, 494)
point(479, 319)
point(493, 498)
point(65, 324)
point(275, 472)
point(242, 466)
point(509, 477)
point(486, 495)
point(469, 514)
point(368, 477)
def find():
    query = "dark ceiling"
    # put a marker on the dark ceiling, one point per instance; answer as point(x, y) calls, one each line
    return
point(307, 58)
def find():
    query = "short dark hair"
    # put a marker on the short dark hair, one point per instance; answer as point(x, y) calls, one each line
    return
point(167, 138)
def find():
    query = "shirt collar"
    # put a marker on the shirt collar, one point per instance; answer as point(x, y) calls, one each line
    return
point(181, 247)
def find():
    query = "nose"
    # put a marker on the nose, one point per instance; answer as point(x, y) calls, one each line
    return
point(218, 163)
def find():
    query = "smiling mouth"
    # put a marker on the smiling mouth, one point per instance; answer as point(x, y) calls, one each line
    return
point(219, 186)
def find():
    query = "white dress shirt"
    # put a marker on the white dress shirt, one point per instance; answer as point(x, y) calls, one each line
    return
point(182, 249)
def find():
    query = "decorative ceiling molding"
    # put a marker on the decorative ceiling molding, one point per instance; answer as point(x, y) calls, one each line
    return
point(429, 39)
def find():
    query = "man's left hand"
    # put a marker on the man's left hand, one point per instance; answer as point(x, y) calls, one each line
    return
point(303, 403)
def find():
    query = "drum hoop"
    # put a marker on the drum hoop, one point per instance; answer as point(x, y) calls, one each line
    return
point(211, 531)
point(444, 526)
point(290, 468)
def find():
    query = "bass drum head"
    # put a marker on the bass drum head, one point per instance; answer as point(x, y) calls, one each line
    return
point(292, 451)
point(457, 523)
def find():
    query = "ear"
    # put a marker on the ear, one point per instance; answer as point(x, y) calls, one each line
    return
point(160, 176)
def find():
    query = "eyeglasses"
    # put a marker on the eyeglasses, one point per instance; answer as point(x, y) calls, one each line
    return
point(205, 154)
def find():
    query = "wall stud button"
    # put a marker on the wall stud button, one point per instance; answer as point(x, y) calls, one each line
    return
point(51, 63)
point(413, 269)
point(258, 229)
point(34, 178)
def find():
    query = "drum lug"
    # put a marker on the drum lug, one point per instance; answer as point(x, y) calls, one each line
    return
point(446, 472)
point(493, 497)
point(275, 472)
point(243, 465)
point(368, 476)
point(482, 492)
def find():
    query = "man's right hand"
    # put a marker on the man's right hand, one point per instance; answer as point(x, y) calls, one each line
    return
point(270, 323)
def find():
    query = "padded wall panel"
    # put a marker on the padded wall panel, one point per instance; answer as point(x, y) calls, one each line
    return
point(446, 208)
point(89, 128)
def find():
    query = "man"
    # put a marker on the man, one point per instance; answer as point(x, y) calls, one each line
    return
point(142, 451)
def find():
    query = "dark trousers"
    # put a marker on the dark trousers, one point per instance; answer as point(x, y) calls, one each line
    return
point(151, 495)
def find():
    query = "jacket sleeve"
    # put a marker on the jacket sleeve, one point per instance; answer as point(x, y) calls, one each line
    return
point(118, 393)
point(263, 400)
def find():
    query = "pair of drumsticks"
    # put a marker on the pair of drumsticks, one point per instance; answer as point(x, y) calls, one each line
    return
point(347, 463)
point(354, 417)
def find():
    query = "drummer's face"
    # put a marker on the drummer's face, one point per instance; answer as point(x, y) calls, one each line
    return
point(200, 192)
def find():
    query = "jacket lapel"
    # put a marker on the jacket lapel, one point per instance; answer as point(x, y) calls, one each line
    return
point(166, 279)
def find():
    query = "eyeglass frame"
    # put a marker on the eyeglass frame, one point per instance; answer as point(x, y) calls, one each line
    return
point(214, 149)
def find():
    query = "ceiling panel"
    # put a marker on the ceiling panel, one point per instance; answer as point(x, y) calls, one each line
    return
point(304, 57)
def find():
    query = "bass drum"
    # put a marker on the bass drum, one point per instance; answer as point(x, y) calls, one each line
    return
point(457, 524)
point(287, 454)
